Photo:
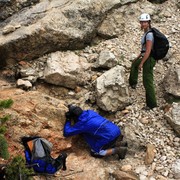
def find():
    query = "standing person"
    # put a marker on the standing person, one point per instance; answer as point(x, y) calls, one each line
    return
point(146, 62)
point(99, 133)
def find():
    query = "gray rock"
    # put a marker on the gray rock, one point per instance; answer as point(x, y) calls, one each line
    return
point(66, 69)
point(25, 84)
point(176, 169)
point(54, 25)
point(173, 117)
point(106, 60)
point(172, 81)
point(112, 91)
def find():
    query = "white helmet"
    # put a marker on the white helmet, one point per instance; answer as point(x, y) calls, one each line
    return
point(144, 17)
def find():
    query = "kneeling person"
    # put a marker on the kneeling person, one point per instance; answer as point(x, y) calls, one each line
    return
point(99, 133)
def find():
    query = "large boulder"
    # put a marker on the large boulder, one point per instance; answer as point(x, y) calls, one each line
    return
point(66, 69)
point(176, 169)
point(49, 26)
point(173, 117)
point(112, 90)
point(171, 81)
point(106, 60)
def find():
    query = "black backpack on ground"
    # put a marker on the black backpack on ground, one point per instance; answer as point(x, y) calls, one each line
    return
point(161, 44)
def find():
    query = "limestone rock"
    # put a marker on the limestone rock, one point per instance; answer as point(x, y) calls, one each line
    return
point(172, 81)
point(126, 167)
point(112, 91)
point(66, 69)
point(106, 60)
point(124, 175)
point(150, 154)
point(173, 117)
point(49, 26)
point(176, 168)
point(25, 84)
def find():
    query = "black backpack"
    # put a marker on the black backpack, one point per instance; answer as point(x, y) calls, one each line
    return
point(161, 44)
point(39, 153)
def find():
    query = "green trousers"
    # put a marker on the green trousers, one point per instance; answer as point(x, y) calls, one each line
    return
point(147, 79)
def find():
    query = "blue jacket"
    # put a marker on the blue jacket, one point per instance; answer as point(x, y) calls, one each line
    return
point(96, 130)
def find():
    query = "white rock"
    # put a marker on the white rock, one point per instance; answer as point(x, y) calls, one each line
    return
point(176, 168)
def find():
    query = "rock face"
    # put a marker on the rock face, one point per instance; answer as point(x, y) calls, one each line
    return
point(9, 7)
point(112, 91)
point(39, 113)
point(49, 26)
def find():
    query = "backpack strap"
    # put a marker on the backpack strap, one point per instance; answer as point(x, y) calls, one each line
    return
point(151, 30)
point(146, 35)
point(61, 161)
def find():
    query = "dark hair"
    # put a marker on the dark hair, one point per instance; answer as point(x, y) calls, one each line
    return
point(150, 24)
point(74, 111)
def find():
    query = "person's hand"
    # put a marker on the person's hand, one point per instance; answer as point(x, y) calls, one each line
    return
point(140, 66)
point(134, 60)
point(68, 116)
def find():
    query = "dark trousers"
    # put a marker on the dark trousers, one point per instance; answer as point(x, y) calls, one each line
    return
point(148, 79)
point(110, 145)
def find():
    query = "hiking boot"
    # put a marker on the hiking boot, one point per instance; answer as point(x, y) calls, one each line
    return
point(133, 86)
point(146, 108)
point(121, 151)
point(93, 154)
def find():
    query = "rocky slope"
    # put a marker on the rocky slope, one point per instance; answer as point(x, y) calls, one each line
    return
point(154, 147)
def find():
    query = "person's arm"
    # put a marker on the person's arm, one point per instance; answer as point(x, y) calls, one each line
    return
point(70, 130)
point(147, 53)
